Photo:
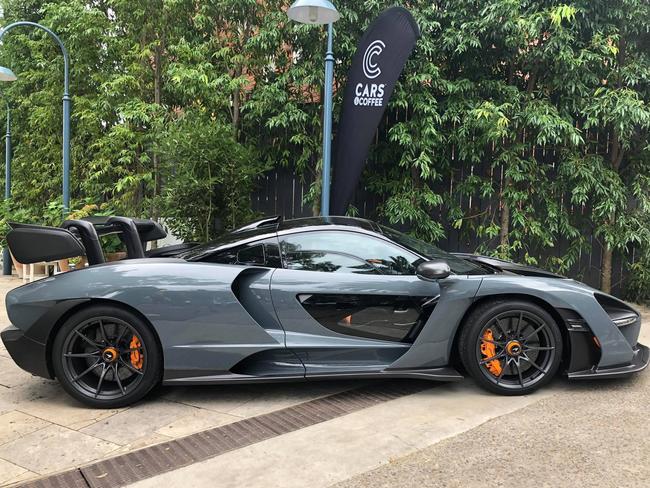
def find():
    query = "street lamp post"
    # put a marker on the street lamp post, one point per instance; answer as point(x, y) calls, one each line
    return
point(7, 75)
point(6, 258)
point(8, 155)
point(322, 12)
point(66, 106)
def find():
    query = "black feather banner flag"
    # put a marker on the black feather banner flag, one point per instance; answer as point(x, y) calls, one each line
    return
point(376, 66)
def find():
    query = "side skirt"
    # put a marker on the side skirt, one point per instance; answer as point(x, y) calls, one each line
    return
point(433, 374)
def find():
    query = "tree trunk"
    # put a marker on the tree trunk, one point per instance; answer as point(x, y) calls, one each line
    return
point(157, 95)
point(237, 73)
point(616, 157)
point(315, 207)
point(505, 226)
point(416, 181)
point(606, 270)
point(504, 223)
point(236, 105)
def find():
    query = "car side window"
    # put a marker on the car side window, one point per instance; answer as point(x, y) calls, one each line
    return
point(381, 255)
point(265, 253)
point(254, 255)
point(330, 262)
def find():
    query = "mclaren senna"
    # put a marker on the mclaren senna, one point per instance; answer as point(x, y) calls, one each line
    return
point(301, 300)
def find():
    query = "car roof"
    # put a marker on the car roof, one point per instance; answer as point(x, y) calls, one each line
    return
point(327, 222)
point(270, 226)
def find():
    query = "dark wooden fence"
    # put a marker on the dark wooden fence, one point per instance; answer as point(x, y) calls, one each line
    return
point(282, 192)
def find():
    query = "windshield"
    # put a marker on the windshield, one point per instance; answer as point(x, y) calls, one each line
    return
point(429, 251)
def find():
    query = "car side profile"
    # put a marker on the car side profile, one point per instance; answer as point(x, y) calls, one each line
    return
point(302, 300)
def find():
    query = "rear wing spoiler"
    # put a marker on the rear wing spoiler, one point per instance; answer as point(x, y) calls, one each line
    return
point(148, 230)
point(35, 243)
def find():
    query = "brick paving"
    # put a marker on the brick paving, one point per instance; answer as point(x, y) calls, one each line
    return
point(43, 431)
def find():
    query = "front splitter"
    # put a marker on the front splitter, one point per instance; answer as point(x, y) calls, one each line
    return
point(639, 362)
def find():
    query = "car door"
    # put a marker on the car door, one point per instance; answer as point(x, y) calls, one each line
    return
point(252, 290)
point(349, 302)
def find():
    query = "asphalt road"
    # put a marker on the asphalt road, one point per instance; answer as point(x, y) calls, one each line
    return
point(588, 434)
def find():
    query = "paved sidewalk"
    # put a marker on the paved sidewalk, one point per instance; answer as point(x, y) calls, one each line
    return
point(571, 434)
point(43, 431)
point(333, 451)
point(450, 435)
point(593, 434)
point(588, 436)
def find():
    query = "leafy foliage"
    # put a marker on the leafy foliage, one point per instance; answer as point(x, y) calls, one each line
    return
point(540, 107)
point(208, 176)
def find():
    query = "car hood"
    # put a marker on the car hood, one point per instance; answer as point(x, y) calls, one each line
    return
point(500, 265)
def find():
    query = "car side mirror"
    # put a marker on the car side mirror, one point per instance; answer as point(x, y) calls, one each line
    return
point(433, 270)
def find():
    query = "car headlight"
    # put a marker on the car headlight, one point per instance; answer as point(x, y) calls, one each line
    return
point(620, 313)
point(623, 321)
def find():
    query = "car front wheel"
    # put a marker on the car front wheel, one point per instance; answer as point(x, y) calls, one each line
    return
point(511, 347)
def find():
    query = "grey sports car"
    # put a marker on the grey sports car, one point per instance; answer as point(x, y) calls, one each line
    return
point(301, 300)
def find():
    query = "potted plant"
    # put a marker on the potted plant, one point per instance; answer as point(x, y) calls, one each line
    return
point(113, 248)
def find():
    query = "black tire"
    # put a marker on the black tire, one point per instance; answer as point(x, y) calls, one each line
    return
point(527, 360)
point(106, 357)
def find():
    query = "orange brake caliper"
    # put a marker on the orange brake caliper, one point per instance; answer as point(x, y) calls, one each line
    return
point(489, 350)
point(137, 359)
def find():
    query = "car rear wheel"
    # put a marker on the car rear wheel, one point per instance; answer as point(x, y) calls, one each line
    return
point(511, 347)
point(106, 357)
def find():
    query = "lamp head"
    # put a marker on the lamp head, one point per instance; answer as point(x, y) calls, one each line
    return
point(6, 74)
point(313, 12)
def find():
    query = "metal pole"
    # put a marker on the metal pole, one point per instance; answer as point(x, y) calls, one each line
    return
point(66, 106)
point(66, 153)
point(327, 123)
point(6, 257)
point(8, 155)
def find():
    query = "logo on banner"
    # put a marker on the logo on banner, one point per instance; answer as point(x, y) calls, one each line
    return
point(370, 67)
point(371, 94)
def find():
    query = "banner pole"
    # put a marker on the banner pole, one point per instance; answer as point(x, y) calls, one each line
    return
point(327, 124)
point(6, 257)
point(382, 53)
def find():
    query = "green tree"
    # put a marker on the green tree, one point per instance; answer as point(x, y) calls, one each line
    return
point(523, 122)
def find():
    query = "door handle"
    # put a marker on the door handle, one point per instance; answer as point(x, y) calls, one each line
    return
point(401, 310)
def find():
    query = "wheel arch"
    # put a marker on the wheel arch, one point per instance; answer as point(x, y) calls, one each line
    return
point(552, 311)
point(90, 303)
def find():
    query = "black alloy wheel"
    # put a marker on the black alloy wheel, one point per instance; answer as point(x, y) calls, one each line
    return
point(511, 347)
point(106, 357)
